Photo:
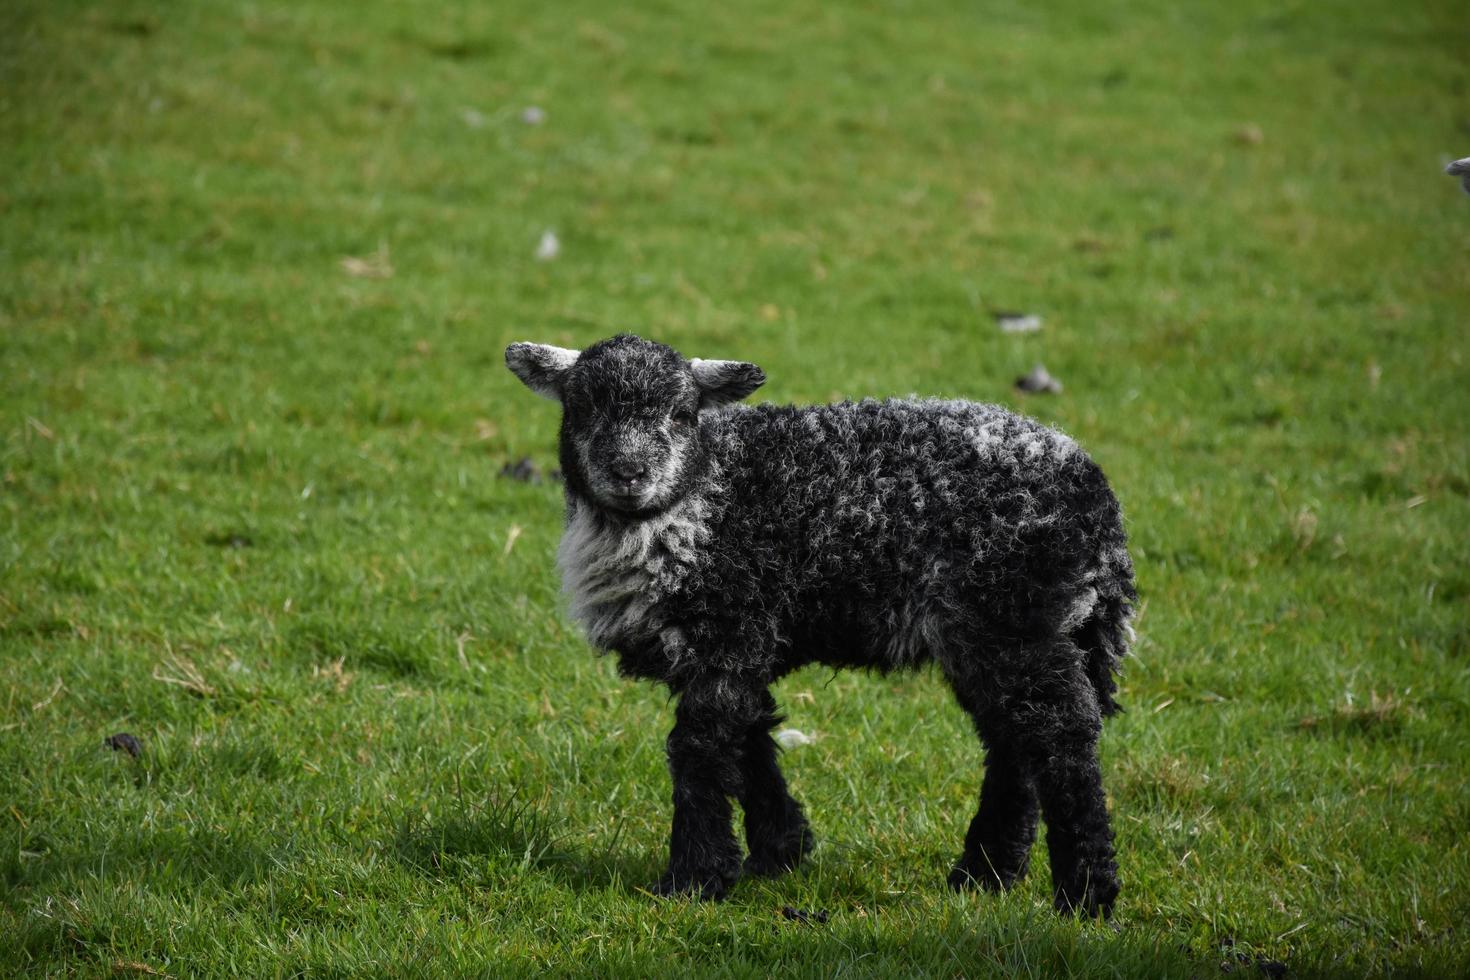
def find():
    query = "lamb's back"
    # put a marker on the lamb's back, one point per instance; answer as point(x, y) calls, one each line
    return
point(874, 468)
point(833, 511)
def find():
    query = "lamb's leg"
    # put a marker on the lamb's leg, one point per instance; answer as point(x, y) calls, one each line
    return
point(998, 844)
point(776, 830)
point(1060, 722)
point(704, 750)
point(1084, 873)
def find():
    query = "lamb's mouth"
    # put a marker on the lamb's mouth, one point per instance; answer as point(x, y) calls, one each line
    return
point(628, 499)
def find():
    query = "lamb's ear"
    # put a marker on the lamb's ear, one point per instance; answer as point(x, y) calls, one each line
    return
point(541, 366)
point(722, 382)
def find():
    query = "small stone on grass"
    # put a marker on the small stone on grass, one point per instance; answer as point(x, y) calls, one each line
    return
point(123, 742)
point(1012, 322)
point(1461, 169)
point(526, 470)
point(1039, 381)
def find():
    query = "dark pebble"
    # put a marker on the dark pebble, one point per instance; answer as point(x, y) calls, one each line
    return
point(523, 470)
point(229, 540)
point(123, 742)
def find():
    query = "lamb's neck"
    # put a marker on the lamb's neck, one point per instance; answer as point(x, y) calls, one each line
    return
point(615, 570)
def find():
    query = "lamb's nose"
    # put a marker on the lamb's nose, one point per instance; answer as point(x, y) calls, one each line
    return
point(629, 471)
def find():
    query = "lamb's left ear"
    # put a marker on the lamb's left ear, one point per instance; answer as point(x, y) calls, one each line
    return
point(722, 382)
point(541, 367)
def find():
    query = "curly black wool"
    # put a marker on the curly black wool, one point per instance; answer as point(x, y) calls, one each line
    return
point(716, 547)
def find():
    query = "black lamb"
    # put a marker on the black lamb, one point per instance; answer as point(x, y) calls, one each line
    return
point(716, 547)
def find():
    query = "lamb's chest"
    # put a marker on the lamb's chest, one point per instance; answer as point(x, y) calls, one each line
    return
point(615, 573)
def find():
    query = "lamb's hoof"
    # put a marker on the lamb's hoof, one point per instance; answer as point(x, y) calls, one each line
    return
point(965, 880)
point(767, 862)
point(1092, 900)
point(707, 888)
point(968, 876)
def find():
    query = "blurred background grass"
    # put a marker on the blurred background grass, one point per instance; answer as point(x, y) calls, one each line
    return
point(259, 265)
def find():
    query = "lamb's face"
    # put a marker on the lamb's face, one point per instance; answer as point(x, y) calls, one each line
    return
point(631, 418)
point(630, 415)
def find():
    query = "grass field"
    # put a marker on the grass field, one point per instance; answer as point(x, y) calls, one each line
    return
point(251, 511)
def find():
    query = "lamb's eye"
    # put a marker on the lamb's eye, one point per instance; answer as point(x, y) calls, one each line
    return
point(684, 417)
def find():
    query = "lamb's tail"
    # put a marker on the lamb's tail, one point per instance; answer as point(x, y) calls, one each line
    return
point(1105, 637)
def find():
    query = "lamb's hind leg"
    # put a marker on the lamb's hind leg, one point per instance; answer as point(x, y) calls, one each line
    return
point(776, 830)
point(998, 843)
point(1056, 719)
point(1041, 720)
point(1084, 872)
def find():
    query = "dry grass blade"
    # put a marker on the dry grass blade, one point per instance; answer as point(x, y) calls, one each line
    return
point(376, 266)
point(1386, 710)
point(57, 689)
point(133, 966)
point(334, 673)
point(181, 672)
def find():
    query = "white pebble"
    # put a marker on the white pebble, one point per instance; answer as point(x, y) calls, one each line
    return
point(1461, 169)
point(1018, 322)
point(791, 738)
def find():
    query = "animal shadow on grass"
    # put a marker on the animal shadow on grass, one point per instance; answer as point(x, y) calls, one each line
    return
point(507, 835)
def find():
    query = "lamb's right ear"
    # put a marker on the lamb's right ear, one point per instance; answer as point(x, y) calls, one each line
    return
point(541, 367)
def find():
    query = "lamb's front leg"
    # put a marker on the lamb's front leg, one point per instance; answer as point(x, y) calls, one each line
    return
point(705, 748)
point(775, 828)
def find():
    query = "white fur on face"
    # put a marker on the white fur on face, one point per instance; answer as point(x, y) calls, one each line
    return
point(665, 465)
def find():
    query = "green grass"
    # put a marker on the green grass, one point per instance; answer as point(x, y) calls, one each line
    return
point(250, 511)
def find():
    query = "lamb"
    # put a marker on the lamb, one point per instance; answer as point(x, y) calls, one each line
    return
point(715, 547)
